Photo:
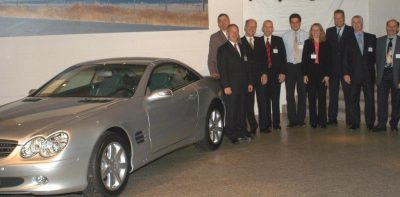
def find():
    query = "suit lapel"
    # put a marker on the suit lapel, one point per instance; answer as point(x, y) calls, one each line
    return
point(396, 51)
point(383, 51)
point(246, 43)
point(233, 50)
point(365, 47)
point(222, 36)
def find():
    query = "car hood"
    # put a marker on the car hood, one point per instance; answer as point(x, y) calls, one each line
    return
point(31, 116)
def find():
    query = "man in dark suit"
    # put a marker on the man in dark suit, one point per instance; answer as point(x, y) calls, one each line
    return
point(235, 79)
point(359, 71)
point(338, 37)
point(248, 47)
point(387, 69)
point(216, 40)
point(271, 57)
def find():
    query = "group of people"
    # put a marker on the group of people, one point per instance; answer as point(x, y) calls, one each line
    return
point(310, 63)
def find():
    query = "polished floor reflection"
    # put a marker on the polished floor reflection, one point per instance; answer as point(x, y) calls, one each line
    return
point(291, 162)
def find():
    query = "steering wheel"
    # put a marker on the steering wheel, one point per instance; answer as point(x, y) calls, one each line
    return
point(128, 91)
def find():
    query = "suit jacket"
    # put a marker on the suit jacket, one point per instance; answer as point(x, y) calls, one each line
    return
point(308, 66)
point(234, 72)
point(278, 56)
point(250, 59)
point(381, 60)
point(338, 47)
point(360, 66)
point(216, 40)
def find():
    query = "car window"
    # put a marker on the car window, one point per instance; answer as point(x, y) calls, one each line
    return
point(170, 76)
point(113, 80)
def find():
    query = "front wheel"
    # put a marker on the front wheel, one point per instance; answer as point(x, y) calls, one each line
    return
point(214, 128)
point(108, 171)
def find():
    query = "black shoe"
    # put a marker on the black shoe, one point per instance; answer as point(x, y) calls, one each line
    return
point(379, 128)
point(354, 127)
point(265, 131)
point(249, 136)
point(234, 140)
point(277, 127)
point(301, 124)
point(253, 130)
point(332, 122)
point(323, 126)
point(253, 133)
point(313, 126)
point(394, 128)
point(291, 125)
point(370, 127)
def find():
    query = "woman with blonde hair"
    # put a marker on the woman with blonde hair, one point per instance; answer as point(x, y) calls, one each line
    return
point(316, 67)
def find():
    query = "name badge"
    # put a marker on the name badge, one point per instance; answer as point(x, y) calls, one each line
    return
point(397, 56)
point(370, 49)
point(276, 51)
point(301, 46)
point(245, 58)
point(313, 56)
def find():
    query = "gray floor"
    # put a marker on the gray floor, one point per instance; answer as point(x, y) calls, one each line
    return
point(291, 162)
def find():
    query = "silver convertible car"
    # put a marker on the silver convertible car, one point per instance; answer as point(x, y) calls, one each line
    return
point(96, 122)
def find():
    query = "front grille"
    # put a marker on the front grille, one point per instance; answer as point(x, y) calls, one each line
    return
point(10, 181)
point(6, 147)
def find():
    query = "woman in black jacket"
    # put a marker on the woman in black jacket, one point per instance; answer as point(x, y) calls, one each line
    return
point(316, 66)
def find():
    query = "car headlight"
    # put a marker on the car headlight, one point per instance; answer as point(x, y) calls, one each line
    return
point(46, 147)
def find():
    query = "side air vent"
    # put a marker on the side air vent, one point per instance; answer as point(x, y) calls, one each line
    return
point(31, 99)
point(139, 137)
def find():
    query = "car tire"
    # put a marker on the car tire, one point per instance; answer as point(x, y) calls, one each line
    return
point(214, 128)
point(109, 166)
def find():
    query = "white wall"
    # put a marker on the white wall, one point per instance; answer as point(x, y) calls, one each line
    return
point(28, 62)
point(380, 12)
point(320, 11)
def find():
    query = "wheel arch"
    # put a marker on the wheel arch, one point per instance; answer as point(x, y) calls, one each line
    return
point(121, 132)
point(219, 102)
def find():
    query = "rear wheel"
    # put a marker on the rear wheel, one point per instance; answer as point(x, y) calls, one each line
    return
point(109, 166)
point(214, 128)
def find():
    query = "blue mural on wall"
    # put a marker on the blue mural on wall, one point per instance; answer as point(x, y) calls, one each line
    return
point(54, 17)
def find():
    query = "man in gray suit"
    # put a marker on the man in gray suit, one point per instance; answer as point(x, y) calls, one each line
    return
point(216, 40)
point(387, 68)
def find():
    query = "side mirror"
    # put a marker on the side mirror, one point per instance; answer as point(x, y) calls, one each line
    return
point(160, 94)
point(31, 91)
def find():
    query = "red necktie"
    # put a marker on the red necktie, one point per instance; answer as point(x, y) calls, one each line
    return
point(268, 46)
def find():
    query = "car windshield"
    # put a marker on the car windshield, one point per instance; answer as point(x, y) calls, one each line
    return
point(111, 80)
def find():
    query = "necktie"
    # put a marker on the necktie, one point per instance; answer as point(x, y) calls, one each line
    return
point(251, 42)
point(237, 49)
point(360, 43)
point(389, 54)
point(296, 49)
point(268, 47)
point(338, 34)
